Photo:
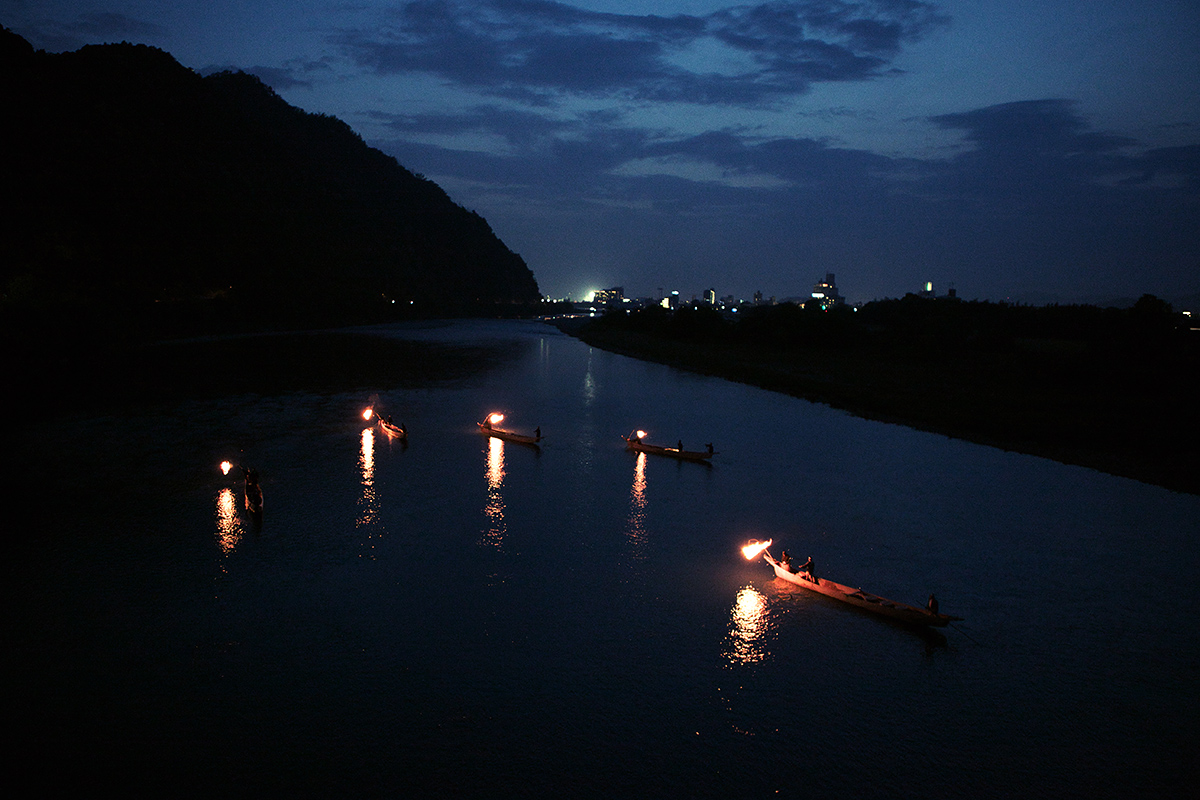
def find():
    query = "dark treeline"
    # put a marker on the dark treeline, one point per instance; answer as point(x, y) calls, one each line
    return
point(1102, 387)
point(133, 188)
point(945, 326)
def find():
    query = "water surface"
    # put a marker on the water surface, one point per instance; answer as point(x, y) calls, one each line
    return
point(467, 617)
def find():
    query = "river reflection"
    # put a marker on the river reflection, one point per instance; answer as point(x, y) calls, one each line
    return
point(230, 528)
point(636, 533)
point(604, 645)
point(748, 625)
point(368, 503)
point(493, 511)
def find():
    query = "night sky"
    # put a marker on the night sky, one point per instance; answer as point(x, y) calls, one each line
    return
point(1031, 150)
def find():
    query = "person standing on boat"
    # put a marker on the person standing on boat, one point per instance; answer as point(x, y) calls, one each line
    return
point(709, 446)
point(679, 445)
point(537, 432)
point(932, 605)
point(807, 566)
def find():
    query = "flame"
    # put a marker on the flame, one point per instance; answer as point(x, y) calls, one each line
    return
point(755, 548)
point(641, 434)
point(494, 418)
point(367, 414)
point(225, 467)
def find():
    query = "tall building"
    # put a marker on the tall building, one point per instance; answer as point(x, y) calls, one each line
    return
point(826, 293)
point(613, 296)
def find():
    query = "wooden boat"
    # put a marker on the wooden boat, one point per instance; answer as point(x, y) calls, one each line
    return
point(393, 431)
point(637, 445)
point(254, 494)
point(509, 436)
point(902, 612)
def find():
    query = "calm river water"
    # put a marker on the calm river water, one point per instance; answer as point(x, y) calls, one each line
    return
point(461, 617)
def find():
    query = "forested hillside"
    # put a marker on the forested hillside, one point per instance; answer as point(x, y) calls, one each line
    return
point(130, 183)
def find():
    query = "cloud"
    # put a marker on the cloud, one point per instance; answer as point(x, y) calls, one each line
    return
point(1043, 150)
point(1039, 193)
point(91, 28)
point(766, 51)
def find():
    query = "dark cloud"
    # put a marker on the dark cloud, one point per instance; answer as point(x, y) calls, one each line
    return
point(91, 28)
point(1039, 199)
point(532, 45)
point(1044, 151)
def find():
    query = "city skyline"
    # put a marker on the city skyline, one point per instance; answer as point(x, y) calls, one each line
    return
point(1033, 152)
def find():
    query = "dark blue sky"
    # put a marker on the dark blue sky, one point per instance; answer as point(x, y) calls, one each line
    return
point(1035, 150)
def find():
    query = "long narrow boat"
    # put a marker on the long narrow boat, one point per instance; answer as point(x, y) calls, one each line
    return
point(254, 494)
point(902, 612)
point(509, 436)
point(637, 445)
point(394, 431)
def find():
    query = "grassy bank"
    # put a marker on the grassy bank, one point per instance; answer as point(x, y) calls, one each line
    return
point(1040, 396)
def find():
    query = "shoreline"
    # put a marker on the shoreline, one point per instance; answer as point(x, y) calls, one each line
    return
point(901, 395)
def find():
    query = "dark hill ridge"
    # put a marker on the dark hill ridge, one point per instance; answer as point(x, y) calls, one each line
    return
point(129, 180)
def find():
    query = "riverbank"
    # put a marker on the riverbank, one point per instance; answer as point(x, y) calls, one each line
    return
point(97, 375)
point(1009, 401)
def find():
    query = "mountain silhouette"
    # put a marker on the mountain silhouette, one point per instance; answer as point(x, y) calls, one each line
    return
point(128, 180)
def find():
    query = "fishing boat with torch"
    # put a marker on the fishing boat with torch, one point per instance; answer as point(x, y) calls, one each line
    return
point(636, 442)
point(488, 427)
point(393, 430)
point(803, 577)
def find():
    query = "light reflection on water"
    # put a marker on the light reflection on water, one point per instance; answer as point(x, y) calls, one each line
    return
point(748, 623)
point(637, 510)
point(493, 511)
point(368, 504)
point(549, 643)
point(229, 524)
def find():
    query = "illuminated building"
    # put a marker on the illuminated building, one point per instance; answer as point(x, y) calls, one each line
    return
point(613, 296)
point(825, 292)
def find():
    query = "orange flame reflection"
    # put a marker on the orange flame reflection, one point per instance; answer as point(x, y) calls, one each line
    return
point(494, 533)
point(749, 621)
point(229, 526)
point(369, 503)
point(755, 548)
point(637, 510)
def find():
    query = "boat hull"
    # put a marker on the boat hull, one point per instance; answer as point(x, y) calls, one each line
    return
point(254, 500)
point(393, 431)
point(670, 452)
point(509, 436)
point(900, 612)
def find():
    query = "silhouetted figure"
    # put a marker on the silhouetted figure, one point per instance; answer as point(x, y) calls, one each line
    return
point(709, 446)
point(254, 495)
point(537, 432)
point(807, 566)
point(679, 445)
point(932, 605)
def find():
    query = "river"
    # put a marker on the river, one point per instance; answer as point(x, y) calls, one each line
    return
point(457, 616)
